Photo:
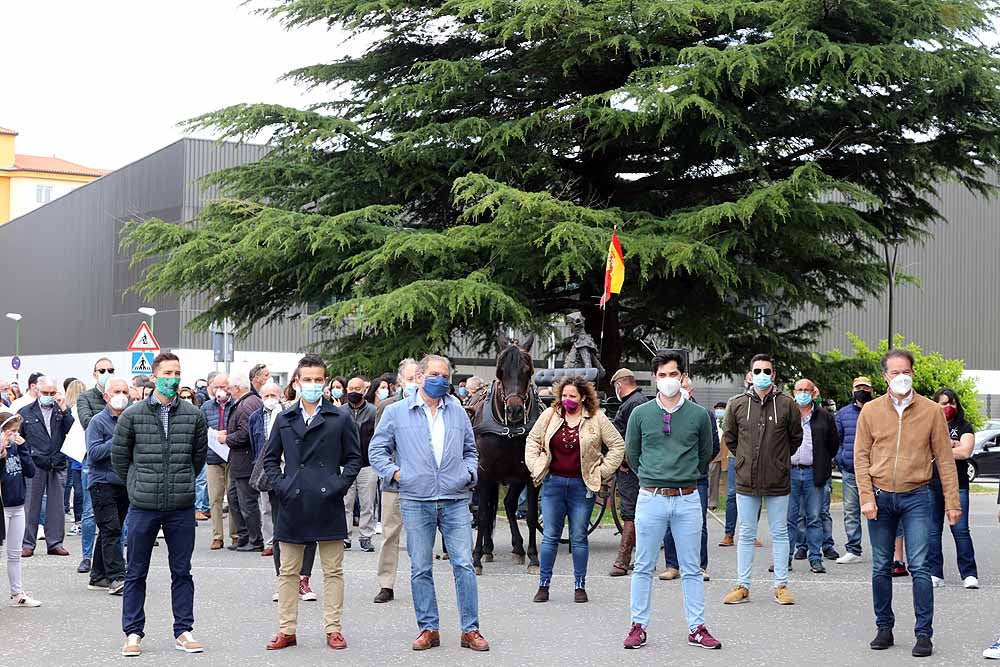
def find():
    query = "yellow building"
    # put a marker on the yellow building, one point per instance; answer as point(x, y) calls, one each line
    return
point(30, 181)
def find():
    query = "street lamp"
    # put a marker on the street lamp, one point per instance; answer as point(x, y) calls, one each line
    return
point(17, 345)
point(151, 312)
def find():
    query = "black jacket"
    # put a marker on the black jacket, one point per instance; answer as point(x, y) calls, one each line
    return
point(15, 466)
point(238, 435)
point(159, 470)
point(45, 447)
point(629, 403)
point(825, 443)
point(321, 462)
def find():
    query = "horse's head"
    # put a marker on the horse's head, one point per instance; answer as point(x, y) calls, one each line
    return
point(514, 371)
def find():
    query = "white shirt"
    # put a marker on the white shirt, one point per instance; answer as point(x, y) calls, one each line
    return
point(665, 408)
point(435, 422)
point(900, 404)
point(269, 419)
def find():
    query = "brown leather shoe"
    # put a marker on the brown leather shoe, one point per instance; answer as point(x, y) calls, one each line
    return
point(474, 640)
point(27, 553)
point(427, 639)
point(267, 552)
point(201, 516)
point(580, 595)
point(726, 541)
point(542, 595)
point(384, 595)
point(216, 545)
point(58, 551)
point(336, 641)
point(281, 641)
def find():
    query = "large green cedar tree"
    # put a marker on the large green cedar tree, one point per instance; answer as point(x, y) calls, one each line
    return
point(471, 163)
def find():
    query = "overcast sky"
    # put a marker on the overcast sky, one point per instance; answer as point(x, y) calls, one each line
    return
point(105, 83)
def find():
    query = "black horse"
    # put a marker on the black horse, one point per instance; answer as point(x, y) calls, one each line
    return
point(502, 421)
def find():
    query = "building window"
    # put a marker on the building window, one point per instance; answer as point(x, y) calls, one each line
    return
point(43, 194)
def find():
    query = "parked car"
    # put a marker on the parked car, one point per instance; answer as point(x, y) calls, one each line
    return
point(985, 461)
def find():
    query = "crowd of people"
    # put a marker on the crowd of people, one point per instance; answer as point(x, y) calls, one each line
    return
point(296, 468)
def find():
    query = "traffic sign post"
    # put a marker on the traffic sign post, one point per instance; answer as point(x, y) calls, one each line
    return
point(142, 363)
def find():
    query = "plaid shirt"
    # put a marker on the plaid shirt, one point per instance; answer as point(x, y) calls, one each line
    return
point(164, 412)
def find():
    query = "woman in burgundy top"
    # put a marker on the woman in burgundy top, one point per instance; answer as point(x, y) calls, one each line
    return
point(565, 451)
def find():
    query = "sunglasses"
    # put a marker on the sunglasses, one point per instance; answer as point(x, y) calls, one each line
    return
point(105, 371)
point(765, 371)
point(666, 423)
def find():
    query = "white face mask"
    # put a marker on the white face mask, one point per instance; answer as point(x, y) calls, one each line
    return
point(669, 387)
point(118, 402)
point(271, 404)
point(222, 396)
point(685, 393)
point(901, 384)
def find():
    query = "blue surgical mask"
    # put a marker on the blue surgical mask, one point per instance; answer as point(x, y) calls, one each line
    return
point(410, 388)
point(762, 381)
point(720, 413)
point(337, 393)
point(382, 394)
point(436, 386)
point(311, 392)
point(803, 399)
point(46, 401)
point(463, 392)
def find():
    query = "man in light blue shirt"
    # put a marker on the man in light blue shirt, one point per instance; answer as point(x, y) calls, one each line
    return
point(424, 447)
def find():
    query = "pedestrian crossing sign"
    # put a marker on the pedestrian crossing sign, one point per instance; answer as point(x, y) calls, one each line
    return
point(142, 363)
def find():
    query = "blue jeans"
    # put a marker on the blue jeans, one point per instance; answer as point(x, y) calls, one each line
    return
point(805, 501)
point(88, 524)
point(178, 531)
point(731, 497)
point(824, 515)
point(777, 520)
point(670, 551)
point(422, 519)
point(964, 551)
point(911, 510)
point(201, 491)
point(562, 498)
point(852, 512)
point(654, 515)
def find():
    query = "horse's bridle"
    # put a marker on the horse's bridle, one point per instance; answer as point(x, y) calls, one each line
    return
point(512, 430)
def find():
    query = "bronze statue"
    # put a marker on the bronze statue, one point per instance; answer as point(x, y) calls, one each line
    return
point(583, 350)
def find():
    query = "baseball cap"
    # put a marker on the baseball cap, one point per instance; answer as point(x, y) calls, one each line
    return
point(861, 380)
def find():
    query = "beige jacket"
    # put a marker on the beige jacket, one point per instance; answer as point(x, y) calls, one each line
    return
point(596, 432)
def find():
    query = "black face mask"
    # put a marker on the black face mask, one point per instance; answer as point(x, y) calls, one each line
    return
point(355, 397)
point(861, 396)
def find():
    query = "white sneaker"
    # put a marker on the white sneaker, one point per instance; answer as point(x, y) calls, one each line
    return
point(187, 643)
point(971, 582)
point(993, 652)
point(849, 559)
point(937, 582)
point(24, 600)
point(378, 528)
point(132, 648)
point(275, 597)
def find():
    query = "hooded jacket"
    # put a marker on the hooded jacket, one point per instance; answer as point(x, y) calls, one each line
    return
point(762, 435)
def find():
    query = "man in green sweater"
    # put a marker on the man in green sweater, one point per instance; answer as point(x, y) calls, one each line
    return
point(668, 443)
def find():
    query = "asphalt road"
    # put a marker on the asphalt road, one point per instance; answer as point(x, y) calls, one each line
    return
point(831, 623)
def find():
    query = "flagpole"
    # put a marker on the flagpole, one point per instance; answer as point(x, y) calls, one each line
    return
point(604, 316)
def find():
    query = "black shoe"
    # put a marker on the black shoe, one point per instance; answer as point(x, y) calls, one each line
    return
point(830, 553)
point(237, 546)
point(800, 554)
point(384, 595)
point(817, 567)
point(347, 544)
point(366, 545)
point(899, 569)
point(923, 648)
point(883, 640)
point(770, 568)
point(84, 567)
point(250, 547)
point(98, 585)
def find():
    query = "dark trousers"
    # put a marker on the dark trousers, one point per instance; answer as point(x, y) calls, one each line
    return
point(236, 512)
point(310, 553)
point(45, 483)
point(178, 531)
point(249, 508)
point(110, 502)
point(912, 512)
point(74, 483)
point(670, 550)
point(627, 488)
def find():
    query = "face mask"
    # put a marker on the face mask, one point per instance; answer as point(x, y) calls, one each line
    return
point(271, 404)
point(118, 402)
point(337, 393)
point(436, 386)
point(669, 387)
point(719, 414)
point(803, 399)
point(410, 388)
point(168, 386)
point(862, 396)
point(570, 406)
point(222, 396)
point(46, 401)
point(949, 412)
point(762, 381)
point(311, 392)
point(382, 394)
point(685, 393)
point(355, 397)
point(463, 392)
point(102, 379)
point(901, 384)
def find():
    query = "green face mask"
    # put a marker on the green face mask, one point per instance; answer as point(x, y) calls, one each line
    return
point(168, 386)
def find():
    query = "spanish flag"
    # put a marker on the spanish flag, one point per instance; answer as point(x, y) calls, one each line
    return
point(614, 273)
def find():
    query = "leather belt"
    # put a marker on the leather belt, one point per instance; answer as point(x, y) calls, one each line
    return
point(687, 490)
point(802, 467)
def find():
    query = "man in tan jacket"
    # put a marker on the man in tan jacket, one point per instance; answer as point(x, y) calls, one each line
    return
point(899, 437)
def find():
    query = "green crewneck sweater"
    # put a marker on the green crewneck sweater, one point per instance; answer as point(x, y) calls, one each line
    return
point(676, 460)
